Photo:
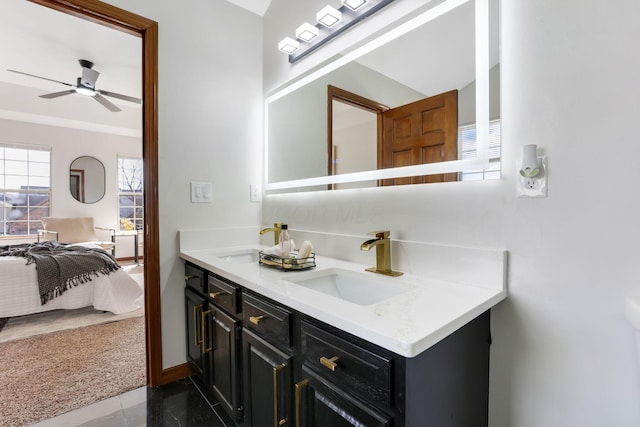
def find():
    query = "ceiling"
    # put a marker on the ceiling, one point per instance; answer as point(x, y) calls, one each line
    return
point(49, 43)
point(259, 7)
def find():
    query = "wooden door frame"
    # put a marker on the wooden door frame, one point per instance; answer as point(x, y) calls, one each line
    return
point(122, 20)
point(79, 174)
point(336, 94)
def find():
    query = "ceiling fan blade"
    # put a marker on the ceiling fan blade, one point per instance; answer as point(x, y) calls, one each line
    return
point(105, 102)
point(39, 77)
point(119, 96)
point(57, 94)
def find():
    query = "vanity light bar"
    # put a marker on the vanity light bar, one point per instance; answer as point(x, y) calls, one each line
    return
point(331, 22)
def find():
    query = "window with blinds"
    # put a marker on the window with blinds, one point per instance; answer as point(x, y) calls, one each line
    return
point(469, 149)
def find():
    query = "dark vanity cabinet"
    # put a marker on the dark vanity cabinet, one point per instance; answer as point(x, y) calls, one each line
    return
point(320, 403)
point(225, 361)
point(346, 381)
point(196, 304)
point(343, 382)
point(269, 365)
point(213, 337)
point(268, 362)
point(268, 376)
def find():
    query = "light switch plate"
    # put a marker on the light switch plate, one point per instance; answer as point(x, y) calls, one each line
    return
point(201, 192)
point(256, 193)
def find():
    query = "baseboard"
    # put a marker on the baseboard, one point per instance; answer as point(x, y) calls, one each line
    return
point(129, 258)
point(176, 373)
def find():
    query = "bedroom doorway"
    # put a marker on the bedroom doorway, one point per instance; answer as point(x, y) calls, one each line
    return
point(121, 20)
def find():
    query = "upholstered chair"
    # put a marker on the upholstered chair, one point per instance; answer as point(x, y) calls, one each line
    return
point(77, 231)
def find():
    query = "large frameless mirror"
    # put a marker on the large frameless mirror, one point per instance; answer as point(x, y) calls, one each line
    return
point(435, 82)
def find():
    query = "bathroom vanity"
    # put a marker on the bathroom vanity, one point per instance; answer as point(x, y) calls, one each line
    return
point(275, 353)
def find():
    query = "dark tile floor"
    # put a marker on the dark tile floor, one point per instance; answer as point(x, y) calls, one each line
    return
point(176, 404)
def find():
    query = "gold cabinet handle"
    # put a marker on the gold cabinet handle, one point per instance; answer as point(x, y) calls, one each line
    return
point(187, 278)
point(256, 319)
point(195, 324)
point(298, 400)
point(330, 363)
point(216, 294)
point(205, 350)
point(276, 421)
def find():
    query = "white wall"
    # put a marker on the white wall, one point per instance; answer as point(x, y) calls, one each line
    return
point(563, 354)
point(66, 145)
point(210, 129)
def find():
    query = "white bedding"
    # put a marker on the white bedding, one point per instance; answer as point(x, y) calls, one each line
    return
point(19, 294)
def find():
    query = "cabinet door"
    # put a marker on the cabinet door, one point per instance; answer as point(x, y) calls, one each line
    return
point(356, 369)
point(267, 383)
point(195, 305)
point(222, 344)
point(319, 403)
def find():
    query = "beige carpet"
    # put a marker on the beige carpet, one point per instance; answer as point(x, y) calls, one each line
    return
point(47, 375)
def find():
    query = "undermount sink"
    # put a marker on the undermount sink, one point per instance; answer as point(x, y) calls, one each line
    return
point(359, 288)
point(241, 256)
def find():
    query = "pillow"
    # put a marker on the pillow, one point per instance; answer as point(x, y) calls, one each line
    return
point(71, 230)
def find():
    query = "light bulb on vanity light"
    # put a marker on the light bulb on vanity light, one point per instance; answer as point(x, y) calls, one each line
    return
point(288, 45)
point(354, 4)
point(307, 32)
point(328, 16)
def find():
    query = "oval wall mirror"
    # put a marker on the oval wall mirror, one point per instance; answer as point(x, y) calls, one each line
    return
point(86, 179)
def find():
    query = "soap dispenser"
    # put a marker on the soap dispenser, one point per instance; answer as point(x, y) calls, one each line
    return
point(285, 242)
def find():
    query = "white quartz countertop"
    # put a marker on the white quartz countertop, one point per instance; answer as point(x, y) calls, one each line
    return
point(406, 324)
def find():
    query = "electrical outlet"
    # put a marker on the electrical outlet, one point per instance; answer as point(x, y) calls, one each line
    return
point(255, 193)
point(530, 183)
point(527, 186)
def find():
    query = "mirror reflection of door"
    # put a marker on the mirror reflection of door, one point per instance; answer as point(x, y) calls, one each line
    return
point(86, 179)
point(425, 131)
point(367, 135)
point(76, 181)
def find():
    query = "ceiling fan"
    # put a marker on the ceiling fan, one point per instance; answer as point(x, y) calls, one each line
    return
point(86, 85)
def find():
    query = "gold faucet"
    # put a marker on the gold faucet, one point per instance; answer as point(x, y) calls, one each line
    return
point(277, 229)
point(382, 242)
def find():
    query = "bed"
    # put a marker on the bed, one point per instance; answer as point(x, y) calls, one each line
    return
point(20, 292)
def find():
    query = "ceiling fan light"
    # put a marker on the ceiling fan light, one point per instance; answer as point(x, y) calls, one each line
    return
point(307, 32)
point(354, 4)
point(85, 91)
point(328, 16)
point(288, 45)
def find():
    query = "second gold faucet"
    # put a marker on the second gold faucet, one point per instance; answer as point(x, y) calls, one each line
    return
point(382, 242)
